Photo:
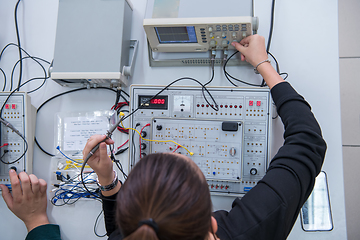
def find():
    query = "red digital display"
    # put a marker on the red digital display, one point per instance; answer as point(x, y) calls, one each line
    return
point(157, 101)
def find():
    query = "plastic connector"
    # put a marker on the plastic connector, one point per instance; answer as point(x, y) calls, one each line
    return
point(226, 52)
point(59, 176)
point(213, 55)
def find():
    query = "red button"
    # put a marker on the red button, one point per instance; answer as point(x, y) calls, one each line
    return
point(13, 106)
point(258, 103)
point(7, 106)
point(251, 103)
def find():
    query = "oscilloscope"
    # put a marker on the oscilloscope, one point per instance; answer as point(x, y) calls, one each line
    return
point(197, 34)
point(184, 32)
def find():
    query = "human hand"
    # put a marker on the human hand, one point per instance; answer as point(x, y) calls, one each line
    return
point(100, 161)
point(27, 200)
point(252, 49)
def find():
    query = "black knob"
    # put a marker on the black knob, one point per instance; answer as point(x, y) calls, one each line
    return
point(143, 146)
point(143, 134)
point(253, 171)
point(158, 127)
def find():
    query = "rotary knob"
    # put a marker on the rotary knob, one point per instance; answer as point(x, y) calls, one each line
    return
point(224, 43)
point(232, 151)
point(253, 171)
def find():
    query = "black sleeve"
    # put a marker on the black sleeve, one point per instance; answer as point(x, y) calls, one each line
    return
point(109, 208)
point(270, 209)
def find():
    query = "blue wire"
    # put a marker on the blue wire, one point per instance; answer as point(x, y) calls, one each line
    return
point(63, 195)
point(58, 148)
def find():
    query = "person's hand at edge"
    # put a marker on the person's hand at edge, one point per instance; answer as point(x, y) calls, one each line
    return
point(28, 199)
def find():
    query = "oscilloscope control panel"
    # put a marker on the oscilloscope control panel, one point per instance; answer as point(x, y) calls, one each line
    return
point(231, 145)
point(197, 34)
point(19, 112)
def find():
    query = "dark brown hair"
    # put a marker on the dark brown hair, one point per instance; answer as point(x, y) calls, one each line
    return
point(172, 191)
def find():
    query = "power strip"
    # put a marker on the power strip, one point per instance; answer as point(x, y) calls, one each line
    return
point(19, 112)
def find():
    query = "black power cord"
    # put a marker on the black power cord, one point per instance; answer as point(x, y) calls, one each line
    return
point(36, 59)
point(228, 76)
point(4, 77)
point(263, 84)
point(56, 96)
point(270, 36)
point(9, 125)
point(18, 41)
point(96, 224)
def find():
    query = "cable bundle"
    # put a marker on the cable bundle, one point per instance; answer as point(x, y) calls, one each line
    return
point(70, 189)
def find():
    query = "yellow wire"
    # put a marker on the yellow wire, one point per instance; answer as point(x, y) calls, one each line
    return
point(70, 164)
point(150, 140)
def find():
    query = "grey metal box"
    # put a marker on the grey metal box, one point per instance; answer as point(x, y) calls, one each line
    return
point(92, 42)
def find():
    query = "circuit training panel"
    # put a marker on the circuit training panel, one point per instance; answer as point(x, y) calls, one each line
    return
point(231, 145)
point(15, 153)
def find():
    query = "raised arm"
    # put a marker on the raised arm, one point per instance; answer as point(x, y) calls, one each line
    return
point(270, 209)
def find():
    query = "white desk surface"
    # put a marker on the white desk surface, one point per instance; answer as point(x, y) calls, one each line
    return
point(305, 42)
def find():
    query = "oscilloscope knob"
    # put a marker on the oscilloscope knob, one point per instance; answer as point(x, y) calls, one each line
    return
point(253, 171)
point(224, 43)
point(158, 127)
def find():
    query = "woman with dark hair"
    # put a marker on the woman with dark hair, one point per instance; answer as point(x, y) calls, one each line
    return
point(166, 196)
point(169, 193)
